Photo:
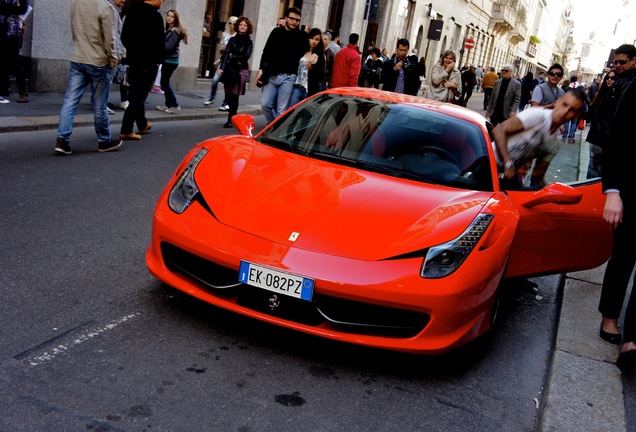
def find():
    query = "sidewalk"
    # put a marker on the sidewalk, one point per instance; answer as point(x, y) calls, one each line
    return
point(584, 389)
point(42, 111)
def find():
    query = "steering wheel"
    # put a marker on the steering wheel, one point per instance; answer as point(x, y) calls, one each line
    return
point(442, 153)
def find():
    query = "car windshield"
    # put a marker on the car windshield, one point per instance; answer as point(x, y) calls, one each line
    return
point(398, 140)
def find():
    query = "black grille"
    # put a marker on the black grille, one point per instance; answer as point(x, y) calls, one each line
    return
point(338, 314)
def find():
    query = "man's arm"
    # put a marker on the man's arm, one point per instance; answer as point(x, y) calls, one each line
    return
point(501, 133)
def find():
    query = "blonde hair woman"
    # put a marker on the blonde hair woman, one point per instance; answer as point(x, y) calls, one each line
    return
point(445, 81)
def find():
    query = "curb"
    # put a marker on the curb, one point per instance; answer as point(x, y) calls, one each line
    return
point(584, 389)
point(39, 123)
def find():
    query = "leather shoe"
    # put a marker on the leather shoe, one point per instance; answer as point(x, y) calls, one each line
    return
point(130, 136)
point(146, 129)
point(626, 360)
point(228, 125)
point(613, 338)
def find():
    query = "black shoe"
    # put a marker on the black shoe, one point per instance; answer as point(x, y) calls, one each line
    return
point(105, 146)
point(228, 125)
point(62, 148)
point(613, 338)
point(626, 360)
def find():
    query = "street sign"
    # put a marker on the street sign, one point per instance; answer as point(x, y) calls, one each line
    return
point(469, 43)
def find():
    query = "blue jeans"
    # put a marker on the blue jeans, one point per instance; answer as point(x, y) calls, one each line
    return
point(298, 94)
point(167, 69)
point(570, 129)
point(80, 75)
point(276, 95)
point(215, 83)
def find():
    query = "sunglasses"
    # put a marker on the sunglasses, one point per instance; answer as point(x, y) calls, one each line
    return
point(555, 74)
point(505, 70)
point(612, 77)
point(621, 62)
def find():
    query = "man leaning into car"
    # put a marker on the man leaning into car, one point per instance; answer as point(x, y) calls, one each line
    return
point(522, 138)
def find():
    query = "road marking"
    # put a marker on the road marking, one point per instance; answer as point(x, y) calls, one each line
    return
point(50, 354)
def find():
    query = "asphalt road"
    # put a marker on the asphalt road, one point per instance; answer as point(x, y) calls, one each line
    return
point(89, 340)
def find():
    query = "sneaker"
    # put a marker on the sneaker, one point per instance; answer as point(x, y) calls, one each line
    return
point(62, 147)
point(162, 108)
point(3, 100)
point(146, 129)
point(208, 102)
point(173, 110)
point(224, 107)
point(23, 98)
point(105, 146)
point(156, 89)
point(571, 140)
point(123, 105)
point(110, 111)
point(228, 125)
point(130, 136)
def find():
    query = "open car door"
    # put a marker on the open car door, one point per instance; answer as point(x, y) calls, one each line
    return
point(561, 229)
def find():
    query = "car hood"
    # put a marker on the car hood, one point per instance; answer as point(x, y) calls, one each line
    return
point(328, 208)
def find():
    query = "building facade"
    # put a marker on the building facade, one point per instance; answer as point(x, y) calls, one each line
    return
point(526, 33)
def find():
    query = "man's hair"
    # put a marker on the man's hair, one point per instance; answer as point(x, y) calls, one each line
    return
point(556, 66)
point(293, 10)
point(627, 49)
point(403, 42)
point(375, 51)
point(353, 38)
point(327, 33)
point(574, 78)
point(581, 95)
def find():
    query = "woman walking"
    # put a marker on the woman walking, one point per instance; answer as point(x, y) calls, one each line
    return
point(311, 69)
point(175, 33)
point(445, 82)
point(234, 69)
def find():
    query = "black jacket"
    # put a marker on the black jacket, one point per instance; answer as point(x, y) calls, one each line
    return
point(143, 35)
point(619, 152)
point(237, 53)
point(411, 75)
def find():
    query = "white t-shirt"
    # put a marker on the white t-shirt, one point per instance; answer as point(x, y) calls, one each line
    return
point(536, 136)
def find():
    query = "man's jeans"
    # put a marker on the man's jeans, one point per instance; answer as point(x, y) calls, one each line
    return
point(80, 75)
point(570, 129)
point(276, 95)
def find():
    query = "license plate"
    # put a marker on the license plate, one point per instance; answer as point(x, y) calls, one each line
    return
point(276, 281)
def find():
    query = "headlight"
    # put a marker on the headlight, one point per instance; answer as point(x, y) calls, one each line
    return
point(185, 189)
point(444, 259)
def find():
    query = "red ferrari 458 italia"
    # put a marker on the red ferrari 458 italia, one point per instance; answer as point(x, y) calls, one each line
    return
point(368, 217)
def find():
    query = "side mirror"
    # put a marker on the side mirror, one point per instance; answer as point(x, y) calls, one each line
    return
point(244, 123)
point(554, 193)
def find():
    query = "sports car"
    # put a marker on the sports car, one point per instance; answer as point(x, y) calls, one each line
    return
point(368, 217)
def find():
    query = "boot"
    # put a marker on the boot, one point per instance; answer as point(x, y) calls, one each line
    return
point(23, 98)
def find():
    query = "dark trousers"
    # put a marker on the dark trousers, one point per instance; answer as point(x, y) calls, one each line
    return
point(233, 102)
point(167, 69)
point(619, 269)
point(10, 63)
point(466, 94)
point(487, 95)
point(140, 79)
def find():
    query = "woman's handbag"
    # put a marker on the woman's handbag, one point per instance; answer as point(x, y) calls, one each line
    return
point(121, 74)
